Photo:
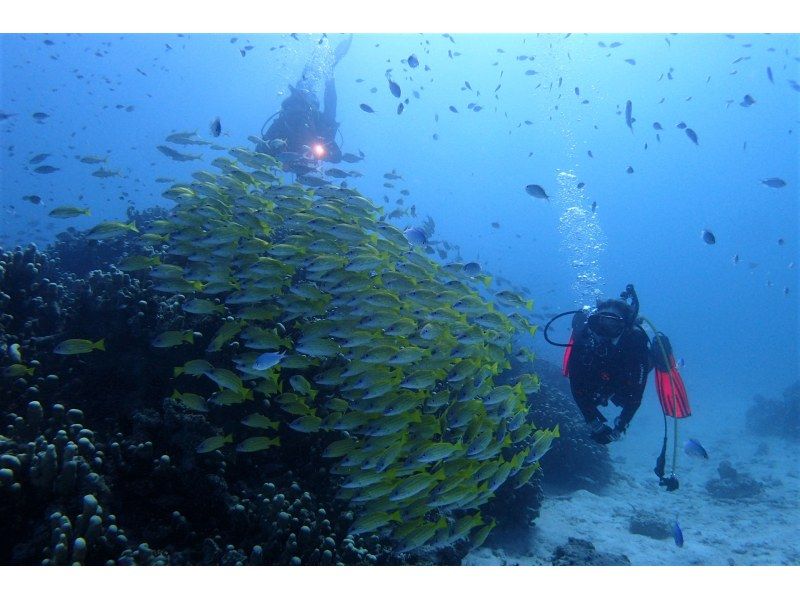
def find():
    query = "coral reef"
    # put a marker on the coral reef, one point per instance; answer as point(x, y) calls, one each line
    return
point(52, 473)
point(582, 552)
point(776, 417)
point(733, 485)
point(107, 463)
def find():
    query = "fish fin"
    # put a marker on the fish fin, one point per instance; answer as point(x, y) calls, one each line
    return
point(101, 344)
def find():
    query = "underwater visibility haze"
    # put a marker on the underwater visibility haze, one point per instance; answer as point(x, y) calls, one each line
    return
point(280, 299)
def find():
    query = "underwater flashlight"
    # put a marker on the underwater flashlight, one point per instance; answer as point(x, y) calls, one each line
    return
point(319, 150)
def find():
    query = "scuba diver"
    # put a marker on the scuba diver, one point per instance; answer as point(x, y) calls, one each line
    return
point(608, 358)
point(300, 134)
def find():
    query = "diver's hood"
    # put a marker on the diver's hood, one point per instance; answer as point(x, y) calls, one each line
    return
point(610, 318)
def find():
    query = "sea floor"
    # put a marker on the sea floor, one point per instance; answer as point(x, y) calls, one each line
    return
point(763, 530)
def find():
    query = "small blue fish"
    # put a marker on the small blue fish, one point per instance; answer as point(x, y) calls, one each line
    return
point(774, 182)
point(677, 534)
point(216, 127)
point(416, 235)
point(266, 361)
point(536, 191)
point(472, 268)
point(681, 363)
point(694, 449)
point(629, 120)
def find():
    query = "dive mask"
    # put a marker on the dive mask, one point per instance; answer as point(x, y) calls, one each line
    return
point(606, 324)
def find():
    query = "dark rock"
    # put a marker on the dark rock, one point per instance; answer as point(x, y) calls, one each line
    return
point(733, 485)
point(448, 556)
point(776, 417)
point(583, 552)
point(647, 524)
point(514, 510)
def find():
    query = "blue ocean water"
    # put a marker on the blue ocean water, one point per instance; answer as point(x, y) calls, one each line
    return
point(552, 112)
point(735, 325)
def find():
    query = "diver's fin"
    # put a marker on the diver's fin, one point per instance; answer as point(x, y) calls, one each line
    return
point(342, 49)
point(672, 392)
point(567, 353)
point(669, 384)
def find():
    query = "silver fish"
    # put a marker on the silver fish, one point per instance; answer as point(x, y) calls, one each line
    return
point(266, 361)
point(416, 235)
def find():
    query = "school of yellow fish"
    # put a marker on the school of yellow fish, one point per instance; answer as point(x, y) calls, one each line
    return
point(368, 341)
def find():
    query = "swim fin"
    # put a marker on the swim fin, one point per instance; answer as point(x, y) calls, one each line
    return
point(669, 384)
point(342, 49)
point(567, 353)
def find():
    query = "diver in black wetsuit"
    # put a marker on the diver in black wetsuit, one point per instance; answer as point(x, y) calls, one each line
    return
point(300, 134)
point(609, 360)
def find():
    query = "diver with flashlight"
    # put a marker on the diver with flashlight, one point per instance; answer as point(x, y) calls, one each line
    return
point(300, 135)
point(608, 357)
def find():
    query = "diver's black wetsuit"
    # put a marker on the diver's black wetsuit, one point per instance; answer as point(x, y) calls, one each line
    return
point(301, 125)
point(600, 371)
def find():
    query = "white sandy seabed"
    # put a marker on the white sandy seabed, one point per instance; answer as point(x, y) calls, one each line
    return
point(764, 530)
